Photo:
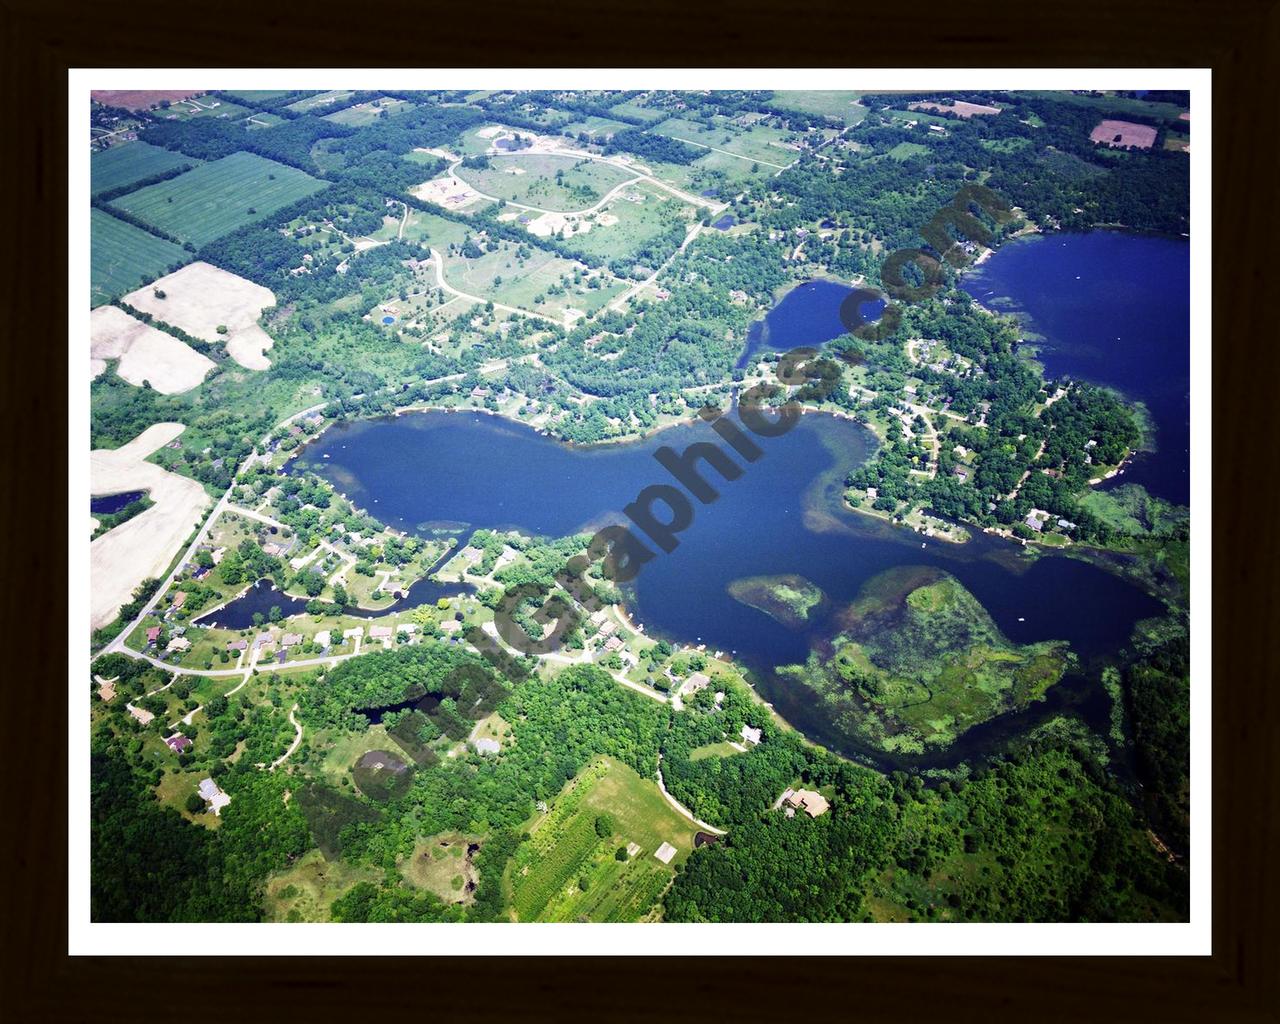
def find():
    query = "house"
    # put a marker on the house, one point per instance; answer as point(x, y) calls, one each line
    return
point(143, 717)
point(613, 644)
point(237, 645)
point(487, 746)
point(380, 632)
point(153, 635)
point(872, 493)
point(1034, 522)
point(322, 638)
point(291, 640)
point(107, 690)
point(354, 633)
point(665, 853)
point(961, 474)
point(751, 735)
point(479, 392)
point(177, 743)
point(179, 599)
point(1066, 524)
point(696, 681)
point(179, 643)
point(608, 628)
point(214, 796)
point(450, 626)
point(813, 804)
point(407, 627)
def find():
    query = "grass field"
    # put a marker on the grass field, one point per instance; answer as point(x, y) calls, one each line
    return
point(203, 106)
point(906, 150)
point(580, 183)
point(837, 103)
point(257, 95)
point(567, 872)
point(501, 277)
point(597, 127)
point(1108, 103)
point(262, 119)
point(322, 99)
point(756, 143)
point(633, 109)
point(216, 198)
point(366, 113)
point(124, 257)
point(721, 749)
point(124, 164)
point(623, 228)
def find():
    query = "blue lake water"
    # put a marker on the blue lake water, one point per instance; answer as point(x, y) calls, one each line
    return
point(1113, 308)
point(809, 314)
point(782, 515)
point(108, 503)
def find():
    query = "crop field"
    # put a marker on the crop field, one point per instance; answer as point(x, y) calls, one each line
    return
point(567, 871)
point(500, 276)
point(757, 143)
point(839, 104)
point(1108, 103)
point(216, 198)
point(366, 113)
point(322, 99)
point(124, 257)
point(546, 182)
point(123, 164)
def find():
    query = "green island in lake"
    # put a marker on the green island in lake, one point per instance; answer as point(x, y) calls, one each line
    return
point(789, 598)
point(918, 661)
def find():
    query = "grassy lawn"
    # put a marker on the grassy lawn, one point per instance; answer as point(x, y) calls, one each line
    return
point(632, 108)
point(565, 851)
point(558, 183)
point(721, 749)
point(125, 163)
point(262, 119)
point(596, 127)
point(216, 198)
point(257, 95)
point(124, 257)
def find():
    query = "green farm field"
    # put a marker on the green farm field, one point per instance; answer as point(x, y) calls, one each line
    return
point(565, 850)
point(322, 99)
point(637, 223)
point(216, 198)
point(124, 257)
point(124, 164)
point(756, 144)
point(531, 180)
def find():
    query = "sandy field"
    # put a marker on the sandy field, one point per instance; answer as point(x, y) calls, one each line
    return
point(141, 99)
point(200, 297)
point(1141, 136)
point(122, 558)
point(960, 108)
point(554, 224)
point(450, 192)
point(145, 353)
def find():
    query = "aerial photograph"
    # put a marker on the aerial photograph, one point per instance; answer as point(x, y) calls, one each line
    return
point(651, 506)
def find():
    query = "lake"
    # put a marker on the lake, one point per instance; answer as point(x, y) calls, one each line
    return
point(106, 504)
point(1110, 307)
point(809, 314)
point(783, 515)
